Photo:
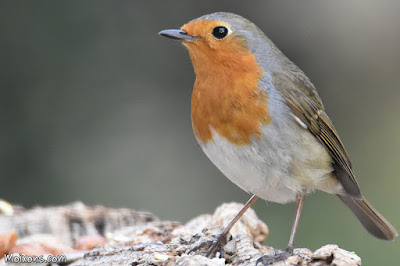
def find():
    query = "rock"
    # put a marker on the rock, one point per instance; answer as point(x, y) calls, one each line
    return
point(122, 236)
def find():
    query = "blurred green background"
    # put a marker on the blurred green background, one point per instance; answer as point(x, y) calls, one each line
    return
point(95, 106)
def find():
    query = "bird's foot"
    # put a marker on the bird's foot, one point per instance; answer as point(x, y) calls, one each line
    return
point(213, 246)
point(280, 255)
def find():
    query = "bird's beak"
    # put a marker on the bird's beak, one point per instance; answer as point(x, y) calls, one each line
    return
point(179, 35)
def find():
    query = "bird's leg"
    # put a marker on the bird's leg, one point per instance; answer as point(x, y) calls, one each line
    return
point(300, 201)
point(284, 254)
point(220, 240)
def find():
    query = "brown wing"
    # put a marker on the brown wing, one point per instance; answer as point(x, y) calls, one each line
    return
point(302, 98)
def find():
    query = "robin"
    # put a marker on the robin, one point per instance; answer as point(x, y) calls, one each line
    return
point(260, 120)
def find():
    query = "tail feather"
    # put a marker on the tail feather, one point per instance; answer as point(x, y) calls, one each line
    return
point(370, 218)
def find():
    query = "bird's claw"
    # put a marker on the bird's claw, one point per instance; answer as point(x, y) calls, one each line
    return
point(214, 246)
point(217, 246)
point(199, 246)
point(280, 255)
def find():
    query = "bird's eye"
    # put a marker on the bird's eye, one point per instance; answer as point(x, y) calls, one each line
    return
point(220, 32)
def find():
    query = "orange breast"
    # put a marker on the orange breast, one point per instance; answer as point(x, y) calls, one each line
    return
point(226, 95)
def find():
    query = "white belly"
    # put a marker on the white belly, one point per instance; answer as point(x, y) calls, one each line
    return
point(285, 162)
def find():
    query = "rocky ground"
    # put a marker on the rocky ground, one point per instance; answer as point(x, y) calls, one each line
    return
point(85, 235)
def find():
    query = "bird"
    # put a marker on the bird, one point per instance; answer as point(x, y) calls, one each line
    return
point(260, 120)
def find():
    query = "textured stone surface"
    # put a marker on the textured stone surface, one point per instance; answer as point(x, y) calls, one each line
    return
point(134, 238)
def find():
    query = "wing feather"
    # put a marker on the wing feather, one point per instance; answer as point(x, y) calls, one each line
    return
point(302, 98)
